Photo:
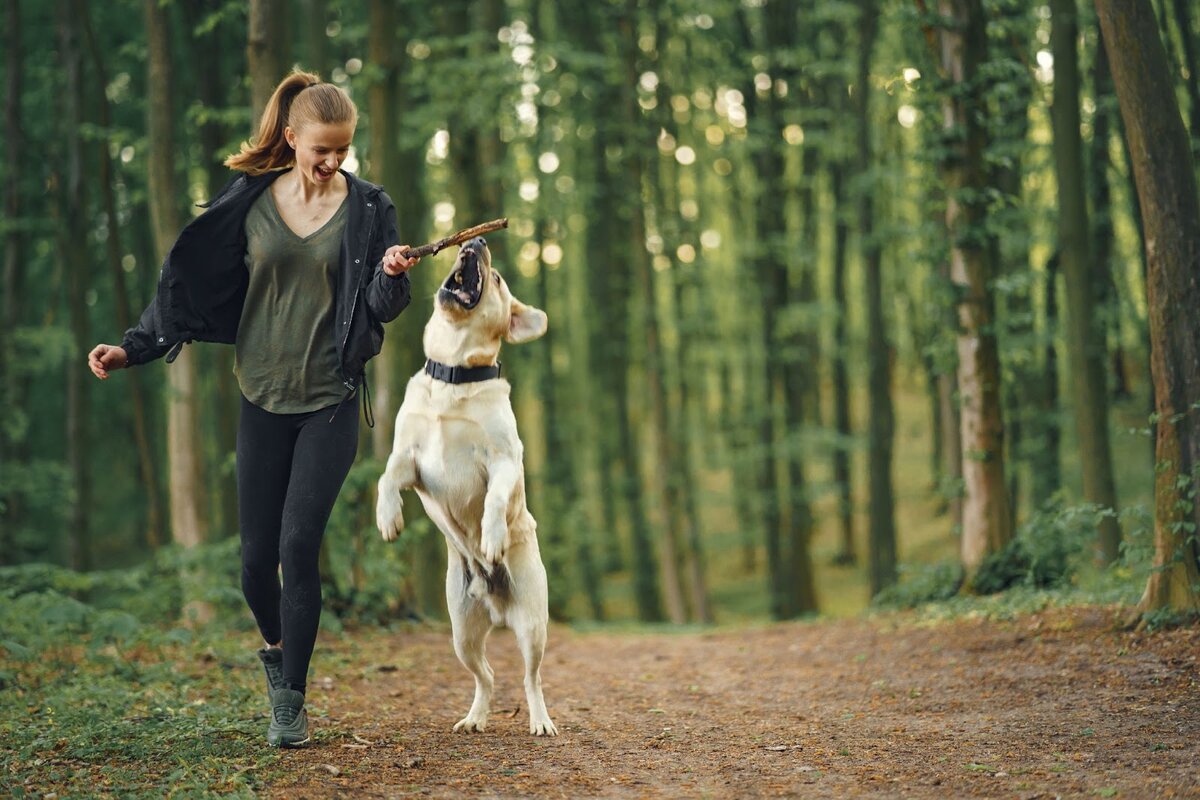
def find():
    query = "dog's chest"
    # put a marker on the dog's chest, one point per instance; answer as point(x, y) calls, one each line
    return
point(451, 459)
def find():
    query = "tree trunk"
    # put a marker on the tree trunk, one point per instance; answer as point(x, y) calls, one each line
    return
point(189, 525)
point(260, 57)
point(382, 106)
point(1047, 475)
point(1085, 343)
point(1102, 225)
point(881, 423)
point(847, 553)
point(10, 394)
point(1183, 21)
point(987, 519)
point(315, 15)
point(154, 533)
point(619, 466)
point(71, 251)
point(678, 463)
point(639, 259)
point(1166, 183)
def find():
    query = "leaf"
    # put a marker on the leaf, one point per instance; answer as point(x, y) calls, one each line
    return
point(18, 651)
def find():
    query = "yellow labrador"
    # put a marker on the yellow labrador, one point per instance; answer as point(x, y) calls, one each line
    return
point(456, 444)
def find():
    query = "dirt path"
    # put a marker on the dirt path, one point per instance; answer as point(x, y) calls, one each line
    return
point(1055, 704)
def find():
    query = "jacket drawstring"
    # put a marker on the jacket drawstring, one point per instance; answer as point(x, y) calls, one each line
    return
point(370, 414)
point(366, 398)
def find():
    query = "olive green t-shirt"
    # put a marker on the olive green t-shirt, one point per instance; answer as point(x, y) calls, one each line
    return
point(285, 356)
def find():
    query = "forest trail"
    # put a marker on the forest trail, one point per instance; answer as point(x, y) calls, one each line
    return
point(1045, 705)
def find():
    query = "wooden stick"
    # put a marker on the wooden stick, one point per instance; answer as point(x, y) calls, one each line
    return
point(457, 238)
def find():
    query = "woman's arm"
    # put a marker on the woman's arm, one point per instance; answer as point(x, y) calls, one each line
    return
point(387, 295)
point(140, 344)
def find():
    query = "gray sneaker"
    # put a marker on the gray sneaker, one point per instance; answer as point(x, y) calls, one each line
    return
point(272, 661)
point(289, 721)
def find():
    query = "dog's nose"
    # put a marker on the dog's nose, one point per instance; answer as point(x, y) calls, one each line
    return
point(478, 243)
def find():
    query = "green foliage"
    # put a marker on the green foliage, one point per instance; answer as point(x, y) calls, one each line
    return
point(921, 583)
point(1045, 552)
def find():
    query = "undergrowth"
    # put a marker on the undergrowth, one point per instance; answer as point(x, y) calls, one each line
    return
point(1049, 562)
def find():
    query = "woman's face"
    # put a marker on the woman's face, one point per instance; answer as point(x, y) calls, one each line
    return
point(320, 149)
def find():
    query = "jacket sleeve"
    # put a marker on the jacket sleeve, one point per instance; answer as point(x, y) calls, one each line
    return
point(386, 295)
point(143, 342)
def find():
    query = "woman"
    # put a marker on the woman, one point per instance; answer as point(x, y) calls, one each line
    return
point(291, 263)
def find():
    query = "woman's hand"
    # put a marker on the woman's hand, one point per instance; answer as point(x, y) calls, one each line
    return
point(395, 264)
point(105, 357)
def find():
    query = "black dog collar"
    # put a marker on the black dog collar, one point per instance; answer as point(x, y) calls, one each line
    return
point(448, 374)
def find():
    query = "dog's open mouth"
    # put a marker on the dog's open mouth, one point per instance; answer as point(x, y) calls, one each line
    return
point(464, 285)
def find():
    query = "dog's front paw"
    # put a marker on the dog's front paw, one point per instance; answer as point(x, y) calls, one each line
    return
point(472, 723)
point(493, 549)
point(542, 727)
point(389, 515)
point(494, 540)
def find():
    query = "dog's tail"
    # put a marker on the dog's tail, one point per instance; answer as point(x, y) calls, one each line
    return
point(480, 582)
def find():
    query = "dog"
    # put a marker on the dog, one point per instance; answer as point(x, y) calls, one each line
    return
point(456, 444)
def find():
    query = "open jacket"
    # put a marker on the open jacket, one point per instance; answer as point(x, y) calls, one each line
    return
point(203, 280)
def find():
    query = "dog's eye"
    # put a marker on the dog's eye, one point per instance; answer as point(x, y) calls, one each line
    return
point(496, 277)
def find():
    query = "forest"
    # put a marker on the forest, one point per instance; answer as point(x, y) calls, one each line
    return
point(847, 301)
point(854, 306)
point(839, 293)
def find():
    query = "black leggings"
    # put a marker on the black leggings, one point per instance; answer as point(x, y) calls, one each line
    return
point(290, 468)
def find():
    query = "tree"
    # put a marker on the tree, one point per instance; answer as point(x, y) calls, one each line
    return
point(1166, 185)
point(1085, 342)
point(189, 523)
point(881, 423)
point(155, 534)
point(987, 514)
point(73, 201)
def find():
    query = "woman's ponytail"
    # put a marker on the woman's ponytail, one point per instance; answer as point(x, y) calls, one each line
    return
point(269, 150)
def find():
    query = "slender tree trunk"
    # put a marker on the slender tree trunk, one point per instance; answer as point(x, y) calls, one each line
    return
point(669, 576)
point(223, 411)
point(1183, 21)
point(783, 491)
point(881, 424)
point(1102, 228)
point(1166, 185)
point(382, 105)
point(987, 519)
point(1084, 340)
point(315, 15)
point(847, 553)
point(609, 290)
point(78, 275)
point(260, 58)
point(1047, 475)
point(11, 390)
point(189, 525)
point(137, 397)
point(679, 470)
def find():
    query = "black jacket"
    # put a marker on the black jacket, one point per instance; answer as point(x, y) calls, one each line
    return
point(203, 280)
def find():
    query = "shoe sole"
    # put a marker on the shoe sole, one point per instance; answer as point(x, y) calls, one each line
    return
point(284, 745)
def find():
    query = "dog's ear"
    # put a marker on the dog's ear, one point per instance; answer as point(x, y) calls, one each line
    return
point(525, 323)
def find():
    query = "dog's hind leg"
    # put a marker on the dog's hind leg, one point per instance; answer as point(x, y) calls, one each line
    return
point(471, 623)
point(528, 617)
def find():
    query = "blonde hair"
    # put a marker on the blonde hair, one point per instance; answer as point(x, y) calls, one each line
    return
point(300, 99)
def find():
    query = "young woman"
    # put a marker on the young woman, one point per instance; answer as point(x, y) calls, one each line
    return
point(295, 263)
